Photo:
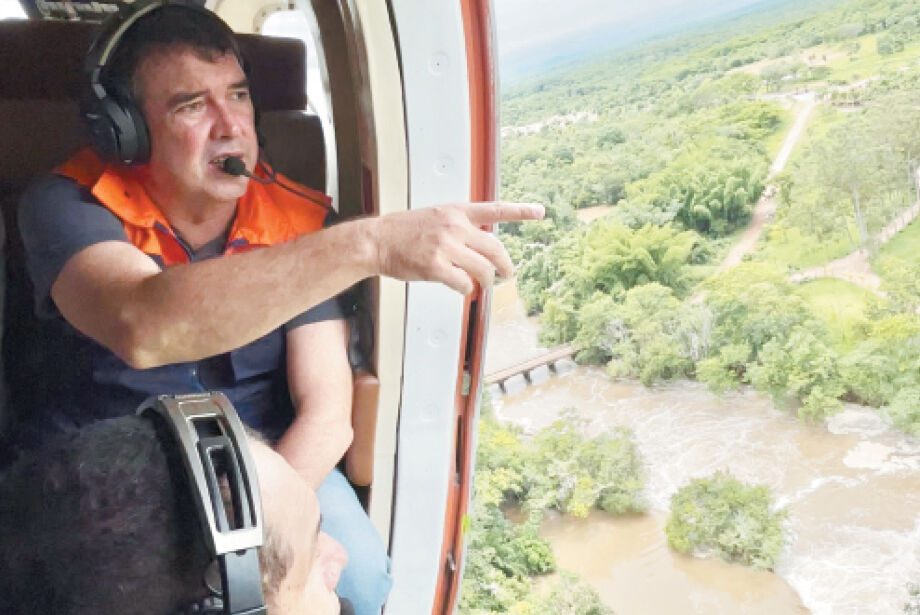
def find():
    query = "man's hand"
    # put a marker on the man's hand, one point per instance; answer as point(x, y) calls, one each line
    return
point(447, 244)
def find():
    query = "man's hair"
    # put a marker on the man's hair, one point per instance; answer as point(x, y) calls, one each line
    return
point(167, 27)
point(102, 521)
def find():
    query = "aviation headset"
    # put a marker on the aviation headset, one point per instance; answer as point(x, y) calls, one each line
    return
point(213, 446)
point(116, 124)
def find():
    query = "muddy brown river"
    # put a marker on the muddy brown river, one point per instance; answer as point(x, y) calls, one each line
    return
point(852, 488)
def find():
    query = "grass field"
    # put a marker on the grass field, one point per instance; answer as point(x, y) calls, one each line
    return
point(843, 67)
point(905, 245)
point(795, 251)
point(841, 305)
point(774, 142)
point(868, 62)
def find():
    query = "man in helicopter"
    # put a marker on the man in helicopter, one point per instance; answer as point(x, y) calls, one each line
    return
point(178, 274)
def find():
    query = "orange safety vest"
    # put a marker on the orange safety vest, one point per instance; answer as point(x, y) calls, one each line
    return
point(266, 215)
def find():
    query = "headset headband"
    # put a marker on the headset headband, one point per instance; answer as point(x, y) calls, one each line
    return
point(213, 446)
point(113, 30)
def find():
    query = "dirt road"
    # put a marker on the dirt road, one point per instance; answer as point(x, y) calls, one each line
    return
point(766, 205)
point(854, 267)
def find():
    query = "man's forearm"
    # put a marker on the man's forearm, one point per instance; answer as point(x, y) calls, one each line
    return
point(314, 447)
point(192, 311)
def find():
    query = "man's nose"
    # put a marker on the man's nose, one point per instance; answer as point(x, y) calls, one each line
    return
point(226, 123)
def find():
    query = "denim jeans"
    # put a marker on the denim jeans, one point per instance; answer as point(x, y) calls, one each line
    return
point(366, 580)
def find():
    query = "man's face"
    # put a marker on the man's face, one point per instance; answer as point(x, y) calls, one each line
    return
point(291, 514)
point(198, 112)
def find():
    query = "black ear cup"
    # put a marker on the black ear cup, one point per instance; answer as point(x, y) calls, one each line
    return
point(117, 129)
point(134, 145)
point(116, 126)
point(102, 133)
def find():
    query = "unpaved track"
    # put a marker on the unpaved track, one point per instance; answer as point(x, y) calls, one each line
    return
point(766, 205)
point(854, 267)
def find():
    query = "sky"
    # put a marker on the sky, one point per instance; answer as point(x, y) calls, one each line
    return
point(532, 33)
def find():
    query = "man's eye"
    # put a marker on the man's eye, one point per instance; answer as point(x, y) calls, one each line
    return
point(191, 107)
point(240, 95)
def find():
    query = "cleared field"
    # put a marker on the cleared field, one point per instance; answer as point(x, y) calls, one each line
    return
point(790, 248)
point(868, 62)
point(841, 305)
point(905, 245)
point(843, 64)
point(774, 142)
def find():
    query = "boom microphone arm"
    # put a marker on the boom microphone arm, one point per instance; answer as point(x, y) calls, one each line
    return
point(234, 165)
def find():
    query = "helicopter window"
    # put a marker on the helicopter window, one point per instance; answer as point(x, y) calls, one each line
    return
point(10, 9)
point(296, 24)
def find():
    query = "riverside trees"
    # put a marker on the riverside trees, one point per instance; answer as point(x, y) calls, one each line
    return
point(721, 515)
point(558, 468)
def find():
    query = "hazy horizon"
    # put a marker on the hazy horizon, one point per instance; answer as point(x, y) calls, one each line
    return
point(534, 33)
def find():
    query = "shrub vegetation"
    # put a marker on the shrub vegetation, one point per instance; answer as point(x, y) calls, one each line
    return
point(722, 516)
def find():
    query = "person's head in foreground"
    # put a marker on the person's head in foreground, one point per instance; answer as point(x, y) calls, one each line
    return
point(101, 521)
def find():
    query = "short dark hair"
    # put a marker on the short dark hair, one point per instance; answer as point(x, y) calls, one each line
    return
point(100, 521)
point(168, 27)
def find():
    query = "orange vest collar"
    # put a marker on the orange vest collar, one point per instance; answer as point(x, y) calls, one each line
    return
point(266, 214)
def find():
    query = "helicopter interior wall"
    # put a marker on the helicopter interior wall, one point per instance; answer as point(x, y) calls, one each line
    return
point(358, 59)
point(40, 80)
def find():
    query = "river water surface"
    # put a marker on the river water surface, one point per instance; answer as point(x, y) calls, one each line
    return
point(851, 486)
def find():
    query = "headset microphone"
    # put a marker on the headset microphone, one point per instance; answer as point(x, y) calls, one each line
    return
point(234, 165)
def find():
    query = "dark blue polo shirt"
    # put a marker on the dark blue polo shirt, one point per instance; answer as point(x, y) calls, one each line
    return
point(57, 219)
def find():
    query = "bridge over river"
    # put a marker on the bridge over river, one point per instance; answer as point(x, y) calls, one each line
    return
point(548, 360)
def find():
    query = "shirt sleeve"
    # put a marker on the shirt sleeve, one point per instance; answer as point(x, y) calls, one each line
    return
point(330, 309)
point(58, 218)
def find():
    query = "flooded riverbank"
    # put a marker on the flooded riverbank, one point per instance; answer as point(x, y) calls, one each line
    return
point(852, 488)
point(637, 573)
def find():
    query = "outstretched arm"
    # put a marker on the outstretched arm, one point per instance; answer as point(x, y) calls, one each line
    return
point(113, 293)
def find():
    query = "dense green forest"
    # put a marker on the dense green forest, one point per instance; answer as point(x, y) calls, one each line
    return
point(679, 139)
point(673, 141)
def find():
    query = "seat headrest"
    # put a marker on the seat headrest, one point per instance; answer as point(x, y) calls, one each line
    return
point(43, 60)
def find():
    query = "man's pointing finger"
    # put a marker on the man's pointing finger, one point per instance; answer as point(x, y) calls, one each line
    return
point(483, 214)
